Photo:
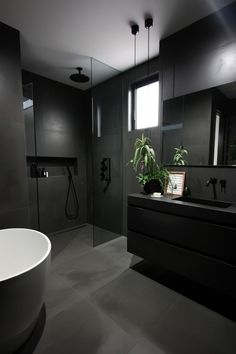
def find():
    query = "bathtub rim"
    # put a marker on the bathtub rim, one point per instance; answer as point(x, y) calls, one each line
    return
point(35, 264)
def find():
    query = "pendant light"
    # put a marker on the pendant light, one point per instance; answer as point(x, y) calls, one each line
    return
point(148, 24)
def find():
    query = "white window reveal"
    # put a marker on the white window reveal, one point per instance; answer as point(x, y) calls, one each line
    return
point(145, 103)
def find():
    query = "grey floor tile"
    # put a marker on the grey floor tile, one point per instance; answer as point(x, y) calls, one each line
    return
point(97, 304)
point(61, 241)
point(101, 235)
point(83, 329)
point(134, 301)
point(145, 347)
point(191, 328)
point(59, 295)
point(85, 234)
point(92, 270)
point(73, 249)
point(117, 247)
point(116, 250)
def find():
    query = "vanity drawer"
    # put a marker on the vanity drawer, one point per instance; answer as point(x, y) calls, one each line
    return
point(205, 270)
point(207, 238)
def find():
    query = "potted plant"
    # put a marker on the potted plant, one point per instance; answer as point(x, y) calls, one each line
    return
point(150, 175)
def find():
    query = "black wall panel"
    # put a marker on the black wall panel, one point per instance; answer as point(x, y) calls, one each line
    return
point(200, 56)
point(14, 209)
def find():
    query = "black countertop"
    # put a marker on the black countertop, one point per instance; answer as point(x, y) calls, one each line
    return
point(168, 204)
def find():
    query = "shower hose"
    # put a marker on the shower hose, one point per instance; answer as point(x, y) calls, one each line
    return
point(71, 189)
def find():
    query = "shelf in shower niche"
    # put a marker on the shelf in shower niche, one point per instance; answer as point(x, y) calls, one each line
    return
point(54, 166)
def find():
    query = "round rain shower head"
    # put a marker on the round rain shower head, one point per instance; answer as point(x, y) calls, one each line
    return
point(79, 77)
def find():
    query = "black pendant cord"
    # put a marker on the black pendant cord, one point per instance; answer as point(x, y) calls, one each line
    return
point(148, 24)
point(71, 187)
point(148, 50)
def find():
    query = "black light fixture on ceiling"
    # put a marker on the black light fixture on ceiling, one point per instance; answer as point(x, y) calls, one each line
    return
point(148, 23)
point(134, 31)
point(79, 77)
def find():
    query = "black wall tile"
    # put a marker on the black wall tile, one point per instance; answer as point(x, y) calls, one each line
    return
point(13, 182)
point(15, 218)
point(196, 57)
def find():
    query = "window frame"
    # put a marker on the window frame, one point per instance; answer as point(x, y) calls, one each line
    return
point(133, 87)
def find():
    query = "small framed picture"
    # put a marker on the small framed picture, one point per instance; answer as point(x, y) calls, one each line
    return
point(175, 183)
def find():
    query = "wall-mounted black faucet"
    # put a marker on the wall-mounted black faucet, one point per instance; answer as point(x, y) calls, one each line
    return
point(212, 181)
point(223, 185)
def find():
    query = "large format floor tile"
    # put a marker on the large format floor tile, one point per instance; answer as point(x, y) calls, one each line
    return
point(134, 302)
point(96, 304)
point(145, 347)
point(59, 295)
point(71, 244)
point(82, 329)
point(91, 270)
point(191, 328)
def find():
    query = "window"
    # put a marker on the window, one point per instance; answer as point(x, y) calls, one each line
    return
point(145, 103)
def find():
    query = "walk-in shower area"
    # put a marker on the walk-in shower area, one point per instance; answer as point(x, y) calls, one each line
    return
point(74, 152)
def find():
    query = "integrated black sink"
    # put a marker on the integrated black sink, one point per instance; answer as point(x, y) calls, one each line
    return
point(215, 203)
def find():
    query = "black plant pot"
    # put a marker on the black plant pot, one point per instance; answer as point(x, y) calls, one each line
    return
point(152, 186)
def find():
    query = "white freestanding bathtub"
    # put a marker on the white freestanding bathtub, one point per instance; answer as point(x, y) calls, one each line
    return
point(24, 262)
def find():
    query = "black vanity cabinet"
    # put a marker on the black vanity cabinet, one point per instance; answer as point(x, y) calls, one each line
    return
point(195, 241)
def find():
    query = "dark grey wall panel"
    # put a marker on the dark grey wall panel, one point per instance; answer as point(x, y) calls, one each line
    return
point(15, 218)
point(52, 200)
point(60, 119)
point(13, 177)
point(201, 55)
point(205, 69)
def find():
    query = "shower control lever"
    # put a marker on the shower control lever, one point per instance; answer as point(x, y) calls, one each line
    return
point(105, 172)
point(105, 169)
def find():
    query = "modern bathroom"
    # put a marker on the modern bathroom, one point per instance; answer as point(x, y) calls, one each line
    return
point(118, 177)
